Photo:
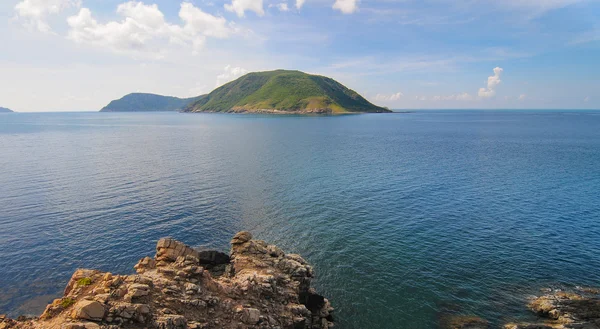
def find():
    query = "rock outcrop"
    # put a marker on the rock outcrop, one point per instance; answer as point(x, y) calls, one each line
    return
point(564, 310)
point(256, 286)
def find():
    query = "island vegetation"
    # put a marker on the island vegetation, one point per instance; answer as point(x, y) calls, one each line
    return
point(5, 110)
point(284, 91)
point(141, 102)
point(279, 91)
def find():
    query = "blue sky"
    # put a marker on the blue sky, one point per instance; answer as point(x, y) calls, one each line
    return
point(72, 55)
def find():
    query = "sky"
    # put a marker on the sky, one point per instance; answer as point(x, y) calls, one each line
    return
point(78, 55)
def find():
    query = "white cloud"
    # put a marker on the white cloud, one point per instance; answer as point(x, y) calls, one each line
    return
point(299, 3)
point(144, 29)
point(281, 6)
point(33, 13)
point(346, 6)
point(457, 97)
point(199, 22)
point(464, 97)
point(229, 74)
point(587, 99)
point(522, 97)
point(396, 96)
point(492, 83)
point(387, 98)
point(241, 6)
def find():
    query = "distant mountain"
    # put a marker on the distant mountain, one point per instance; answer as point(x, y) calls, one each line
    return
point(139, 102)
point(4, 110)
point(283, 91)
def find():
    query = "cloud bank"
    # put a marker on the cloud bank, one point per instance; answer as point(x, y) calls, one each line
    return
point(387, 98)
point(33, 13)
point(346, 6)
point(241, 6)
point(143, 29)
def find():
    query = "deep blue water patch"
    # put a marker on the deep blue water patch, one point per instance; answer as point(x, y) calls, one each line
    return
point(406, 217)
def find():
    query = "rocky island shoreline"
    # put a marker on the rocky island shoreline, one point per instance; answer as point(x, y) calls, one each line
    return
point(560, 309)
point(256, 286)
point(556, 309)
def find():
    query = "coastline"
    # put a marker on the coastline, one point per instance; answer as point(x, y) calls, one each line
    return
point(256, 286)
point(282, 112)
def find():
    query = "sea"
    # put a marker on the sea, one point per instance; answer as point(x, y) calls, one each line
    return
point(408, 218)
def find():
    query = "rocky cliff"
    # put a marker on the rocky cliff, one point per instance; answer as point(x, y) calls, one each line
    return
point(256, 286)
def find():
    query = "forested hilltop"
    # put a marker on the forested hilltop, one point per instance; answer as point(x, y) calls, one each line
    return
point(284, 91)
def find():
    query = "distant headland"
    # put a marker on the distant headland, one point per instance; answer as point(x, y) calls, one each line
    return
point(5, 110)
point(142, 102)
point(276, 92)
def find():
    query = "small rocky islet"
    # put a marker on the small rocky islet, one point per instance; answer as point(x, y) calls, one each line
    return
point(257, 285)
point(556, 309)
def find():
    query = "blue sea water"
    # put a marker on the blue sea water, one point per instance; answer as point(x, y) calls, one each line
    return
point(408, 218)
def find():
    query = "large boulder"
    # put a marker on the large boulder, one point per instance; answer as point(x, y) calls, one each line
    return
point(168, 249)
point(250, 316)
point(88, 310)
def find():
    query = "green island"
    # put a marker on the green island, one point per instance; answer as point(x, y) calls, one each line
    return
point(143, 102)
point(283, 91)
point(5, 110)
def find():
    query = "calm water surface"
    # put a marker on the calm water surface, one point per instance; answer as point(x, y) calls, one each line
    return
point(406, 217)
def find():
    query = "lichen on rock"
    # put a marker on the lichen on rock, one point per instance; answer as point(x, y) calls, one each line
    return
point(256, 286)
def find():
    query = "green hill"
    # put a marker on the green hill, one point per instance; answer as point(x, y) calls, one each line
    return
point(138, 102)
point(5, 110)
point(283, 91)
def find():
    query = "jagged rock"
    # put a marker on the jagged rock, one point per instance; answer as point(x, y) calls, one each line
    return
point(168, 249)
point(80, 325)
point(261, 288)
point(241, 237)
point(274, 251)
point(145, 264)
point(528, 326)
point(171, 322)
point(250, 315)
point(138, 289)
point(564, 310)
point(88, 310)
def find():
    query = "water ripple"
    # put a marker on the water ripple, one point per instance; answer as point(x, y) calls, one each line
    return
point(407, 218)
